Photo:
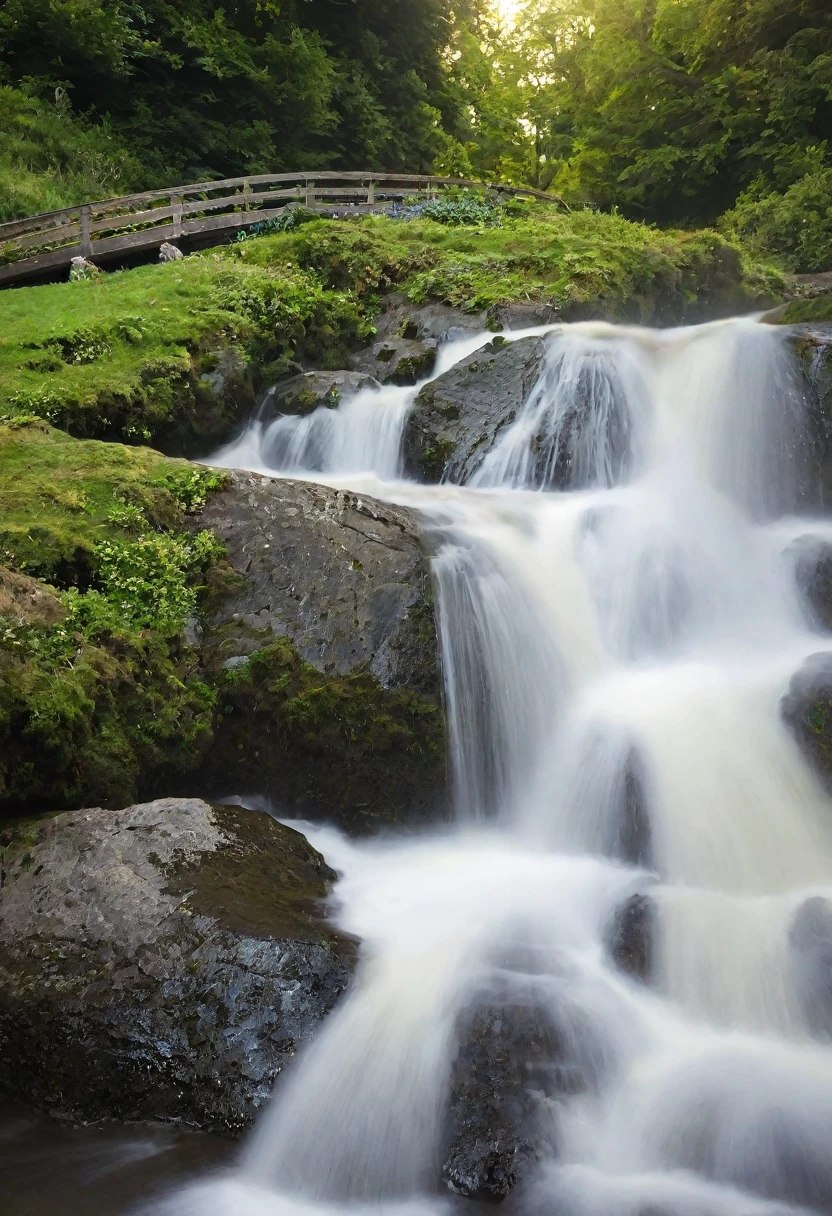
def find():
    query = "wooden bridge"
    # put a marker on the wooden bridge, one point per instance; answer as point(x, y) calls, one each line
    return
point(207, 213)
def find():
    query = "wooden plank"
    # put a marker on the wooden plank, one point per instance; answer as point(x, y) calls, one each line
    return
point(86, 242)
point(176, 206)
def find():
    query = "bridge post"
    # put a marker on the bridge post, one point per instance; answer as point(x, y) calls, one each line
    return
point(371, 192)
point(176, 204)
point(86, 241)
point(310, 192)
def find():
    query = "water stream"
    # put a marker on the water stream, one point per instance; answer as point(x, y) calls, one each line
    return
point(613, 655)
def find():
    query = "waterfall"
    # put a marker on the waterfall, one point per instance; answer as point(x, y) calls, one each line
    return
point(618, 620)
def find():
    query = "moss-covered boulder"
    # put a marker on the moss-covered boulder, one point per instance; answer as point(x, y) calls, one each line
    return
point(320, 639)
point(309, 391)
point(456, 420)
point(161, 962)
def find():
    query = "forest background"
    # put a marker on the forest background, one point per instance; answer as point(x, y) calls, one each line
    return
point(673, 112)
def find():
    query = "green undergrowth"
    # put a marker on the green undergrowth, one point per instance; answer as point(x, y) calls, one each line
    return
point(100, 698)
point(584, 263)
point(338, 744)
point(818, 310)
point(170, 354)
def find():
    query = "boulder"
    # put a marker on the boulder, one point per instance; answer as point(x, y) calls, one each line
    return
point(457, 418)
point(632, 943)
point(807, 711)
point(307, 392)
point(161, 962)
point(397, 360)
point(504, 1068)
point(322, 638)
point(25, 601)
point(813, 345)
point(813, 566)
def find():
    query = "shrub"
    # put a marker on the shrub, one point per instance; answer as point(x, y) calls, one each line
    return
point(795, 227)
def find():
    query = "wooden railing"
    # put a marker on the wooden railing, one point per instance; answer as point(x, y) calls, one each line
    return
point(204, 213)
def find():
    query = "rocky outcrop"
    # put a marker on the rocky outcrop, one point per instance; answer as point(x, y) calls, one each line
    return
point(397, 360)
point(632, 940)
point(457, 419)
point(308, 391)
point(504, 1068)
point(25, 601)
point(323, 641)
point(807, 711)
point(161, 962)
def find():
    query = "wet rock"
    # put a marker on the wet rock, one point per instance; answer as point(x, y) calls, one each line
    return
point(813, 345)
point(337, 706)
point(397, 360)
point(813, 568)
point(522, 316)
point(457, 418)
point(161, 962)
point(807, 711)
point(505, 1066)
point(430, 323)
point(307, 392)
point(630, 838)
point(810, 943)
point(632, 939)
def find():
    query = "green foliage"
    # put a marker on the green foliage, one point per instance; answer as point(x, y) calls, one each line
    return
point(668, 109)
point(583, 263)
point(465, 210)
point(124, 356)
point(793, 227)
point(105, 699)
point(199, 90)
point(51, 159)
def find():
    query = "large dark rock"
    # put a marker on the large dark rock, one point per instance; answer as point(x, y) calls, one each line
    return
point(505, 1066)
point(323, 640)
point(457, 418)
point(807, 711)
point(813, 568)
point(161, 962)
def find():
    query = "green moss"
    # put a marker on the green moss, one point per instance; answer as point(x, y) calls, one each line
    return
point(337, 744)
point(98, 705)
point(586, 262)
point(127, 355)
point(435, 457)
point(817, 310)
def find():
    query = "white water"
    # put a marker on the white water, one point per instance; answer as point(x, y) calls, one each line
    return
point(613, 658)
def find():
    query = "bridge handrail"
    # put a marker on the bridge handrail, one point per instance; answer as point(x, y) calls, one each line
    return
point(409, 183)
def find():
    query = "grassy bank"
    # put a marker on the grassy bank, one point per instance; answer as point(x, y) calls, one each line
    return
point(173, 355)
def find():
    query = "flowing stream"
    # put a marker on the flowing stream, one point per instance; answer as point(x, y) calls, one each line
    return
point(613, 657)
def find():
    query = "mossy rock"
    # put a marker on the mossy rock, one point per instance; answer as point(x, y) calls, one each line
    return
point(161, 962)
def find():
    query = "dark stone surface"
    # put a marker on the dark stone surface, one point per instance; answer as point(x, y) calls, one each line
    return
point(813, 567)
point(810, 942)
point(351, 726)
point(397, 360)
point(161, 962)
point(505, 1066)
point(304, 393)
point(813, 345)
point(807, 711)
point(632, 939)
point(457, 418)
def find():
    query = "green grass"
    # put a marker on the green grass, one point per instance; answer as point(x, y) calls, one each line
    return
point(583, 263)
point(817, 310)
point(60, 498)
point(49, 159)
point(125, 355)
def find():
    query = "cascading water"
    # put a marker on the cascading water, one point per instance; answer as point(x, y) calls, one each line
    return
point(613, 658)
